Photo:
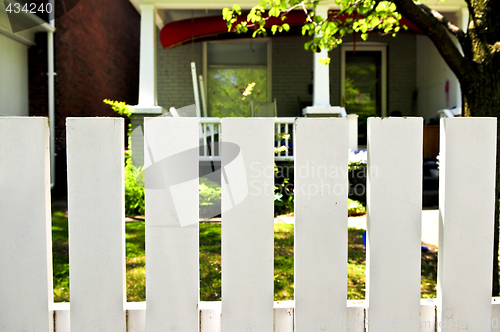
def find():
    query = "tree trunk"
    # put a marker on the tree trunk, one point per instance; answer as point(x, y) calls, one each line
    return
point(481, 98)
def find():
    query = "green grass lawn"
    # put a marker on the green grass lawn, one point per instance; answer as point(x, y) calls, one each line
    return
point(210, 262)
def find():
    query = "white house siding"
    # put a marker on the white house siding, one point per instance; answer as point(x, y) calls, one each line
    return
point(432, 74)
point(13, 77)
point(292, 73)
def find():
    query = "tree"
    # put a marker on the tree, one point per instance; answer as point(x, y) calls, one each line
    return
point(475, 62)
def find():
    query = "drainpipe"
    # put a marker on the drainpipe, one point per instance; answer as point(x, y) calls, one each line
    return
point(51, 74)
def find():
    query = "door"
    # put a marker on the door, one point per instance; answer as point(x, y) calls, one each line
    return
point(364, 85)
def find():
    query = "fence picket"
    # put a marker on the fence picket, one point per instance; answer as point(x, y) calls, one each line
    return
point(320, 224)
point(394, 201)
point(247, 225)
point(466, 201)
point(96, 223)
point(172, 268)
point(25, 239)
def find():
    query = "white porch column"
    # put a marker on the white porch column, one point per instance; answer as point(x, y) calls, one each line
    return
point(147, 66)
point(147, 83)
point(321, 77)
point(321, 83)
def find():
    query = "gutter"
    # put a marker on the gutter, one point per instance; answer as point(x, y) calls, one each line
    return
point(51, 74)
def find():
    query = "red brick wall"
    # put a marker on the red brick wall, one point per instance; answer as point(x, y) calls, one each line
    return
point(96, 57)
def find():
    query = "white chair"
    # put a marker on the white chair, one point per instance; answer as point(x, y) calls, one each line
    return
point(264, 109)
point(207, 134)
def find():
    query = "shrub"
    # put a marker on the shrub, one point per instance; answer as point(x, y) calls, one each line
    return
point(210, 196)
point(134, 189)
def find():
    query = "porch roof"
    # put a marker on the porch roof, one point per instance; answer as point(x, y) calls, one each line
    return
point(179, 32)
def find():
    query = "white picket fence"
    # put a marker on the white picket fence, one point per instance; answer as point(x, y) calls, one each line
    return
point(97, 240)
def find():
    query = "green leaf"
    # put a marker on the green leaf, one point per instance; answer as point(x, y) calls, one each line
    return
point(226, 14)
point(364, 36)
point(286, 26)
point(305, 28)
point(274, 12)
point(237, 9)
point(324, 61)
point(274, 28)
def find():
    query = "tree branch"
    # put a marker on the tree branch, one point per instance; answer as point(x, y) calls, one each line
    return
point(435, 30)
point(452, 28)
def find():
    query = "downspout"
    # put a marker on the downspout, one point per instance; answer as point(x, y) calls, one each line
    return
point(51, 74)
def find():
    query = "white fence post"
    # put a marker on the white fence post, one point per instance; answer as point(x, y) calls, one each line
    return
point(172, 236)
point(96, 223)
point(25, 236)
point(394, 202)
point(353, 131)
point(247, 224)
point(466, 202)
point(320, 191)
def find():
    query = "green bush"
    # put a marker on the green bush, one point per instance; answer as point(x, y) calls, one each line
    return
point(355, 208)
point(134, 189)
point(283, 197)
point(210, 195)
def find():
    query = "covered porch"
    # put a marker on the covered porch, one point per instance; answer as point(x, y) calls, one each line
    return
point(383, 76)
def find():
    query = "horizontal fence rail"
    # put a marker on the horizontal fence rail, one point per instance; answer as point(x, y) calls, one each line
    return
point(97, 234)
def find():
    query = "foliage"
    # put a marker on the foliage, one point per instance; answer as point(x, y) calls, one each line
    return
point(210, 197)
point(232, 90)
point(134, 175)
point(283, 197)
point(357, 159)
point(354, 16)
point(123, 109)
point(119, 107)
point(134, 188)
point(355, 208)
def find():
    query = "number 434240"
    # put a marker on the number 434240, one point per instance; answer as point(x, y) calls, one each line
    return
point(31, 8)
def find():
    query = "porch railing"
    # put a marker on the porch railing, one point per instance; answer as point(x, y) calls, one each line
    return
point(97, 229)
point(210, 138)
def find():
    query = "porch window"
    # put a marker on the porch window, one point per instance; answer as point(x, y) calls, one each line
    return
point(237, 75)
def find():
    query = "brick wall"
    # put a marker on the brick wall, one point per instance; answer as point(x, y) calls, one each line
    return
point(401, 75)
point(175, 83)
point(292, 73)
point(96, 57)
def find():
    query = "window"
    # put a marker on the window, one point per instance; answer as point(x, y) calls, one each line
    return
point(237, 73)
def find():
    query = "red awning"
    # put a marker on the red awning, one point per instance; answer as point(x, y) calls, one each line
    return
point(180, 32)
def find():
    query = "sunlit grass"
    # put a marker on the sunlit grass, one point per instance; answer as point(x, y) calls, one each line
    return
point(210, 262)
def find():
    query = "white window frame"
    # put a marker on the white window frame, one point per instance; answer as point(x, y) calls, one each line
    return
point(242, 40)
point(369, 47)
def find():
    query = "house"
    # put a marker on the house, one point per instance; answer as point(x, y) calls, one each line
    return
point(378, 77)
point(67, 67)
